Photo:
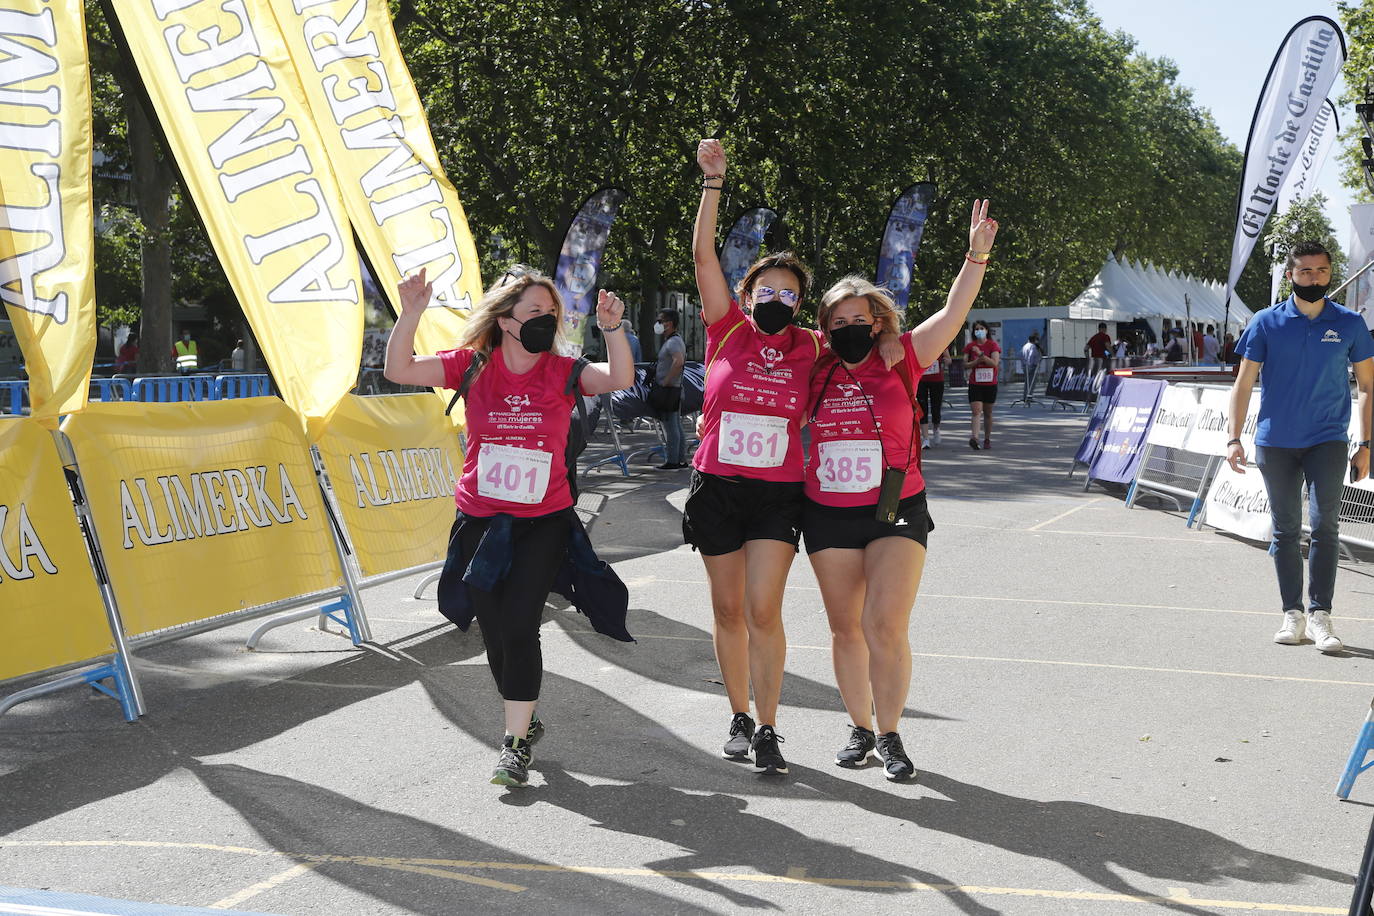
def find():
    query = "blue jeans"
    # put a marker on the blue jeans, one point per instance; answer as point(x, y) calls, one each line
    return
point(675, 447)
point(1323, 467)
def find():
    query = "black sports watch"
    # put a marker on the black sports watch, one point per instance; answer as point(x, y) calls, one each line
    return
point(1364, 443)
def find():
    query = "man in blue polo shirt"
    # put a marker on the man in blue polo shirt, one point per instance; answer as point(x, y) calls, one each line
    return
point(1299, 349)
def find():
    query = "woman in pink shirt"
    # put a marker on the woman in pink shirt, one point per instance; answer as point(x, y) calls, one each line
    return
point(983, 357)
point(514, 480)
point(865, 519)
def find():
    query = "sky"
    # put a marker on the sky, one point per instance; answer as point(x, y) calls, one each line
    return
point(1223, 49)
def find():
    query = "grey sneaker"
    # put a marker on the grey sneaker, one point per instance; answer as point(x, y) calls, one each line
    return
point(1294, 626)
point(857, 751)
point(1319, 628)
point(535, 731)
point(513, 766)
point(896, 764)
point(741, 734)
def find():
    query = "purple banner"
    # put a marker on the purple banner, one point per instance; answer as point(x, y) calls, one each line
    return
point(1123, 435)
point(902, 237)
point(743, 243)
point(579, 262)
point(1092, 436)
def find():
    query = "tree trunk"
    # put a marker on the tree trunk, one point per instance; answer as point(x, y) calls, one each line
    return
point(153, 178)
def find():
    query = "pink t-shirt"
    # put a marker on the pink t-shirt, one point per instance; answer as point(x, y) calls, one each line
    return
point(756, 387)
point(983, 375)
point(847, 454)
point(935, 372)
point(517, 433)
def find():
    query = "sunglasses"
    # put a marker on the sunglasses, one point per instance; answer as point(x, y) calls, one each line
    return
point(768, 294)
point(516, 272)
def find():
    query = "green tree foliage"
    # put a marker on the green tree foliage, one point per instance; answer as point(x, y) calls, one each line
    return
point(1357, 19)
point(1304, 221)
point(828, 109)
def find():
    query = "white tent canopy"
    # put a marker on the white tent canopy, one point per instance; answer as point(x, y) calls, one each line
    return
point(1124, 292)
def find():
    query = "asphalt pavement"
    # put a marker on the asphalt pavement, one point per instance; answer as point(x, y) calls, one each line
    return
point(1100, 721)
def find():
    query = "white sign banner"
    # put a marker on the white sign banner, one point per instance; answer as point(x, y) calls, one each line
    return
point(1178, 408)
point(1239, 503)
point(1211, 428)
point(1302, 181)
point(1294, 95)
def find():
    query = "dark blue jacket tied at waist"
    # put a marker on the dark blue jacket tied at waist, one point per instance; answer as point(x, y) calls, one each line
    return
point(583, 578)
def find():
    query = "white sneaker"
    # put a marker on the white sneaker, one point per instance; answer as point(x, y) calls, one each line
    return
point(925, 444)
point(935, 437)
point(1319, 626)
point(1291, 633)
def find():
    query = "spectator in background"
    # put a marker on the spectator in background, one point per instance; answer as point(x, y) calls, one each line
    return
point(1173, 351)
point(665, 394)
point(127, 359)
point(1210, 349)
point(238, 359)
point(633, 338)
point(1030, 362)
point(186, 354)
point(1197, 340)
point(1099, 347)
point(1228, 351)
point(983, 357)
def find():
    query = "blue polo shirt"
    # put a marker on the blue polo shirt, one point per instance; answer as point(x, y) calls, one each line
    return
point(1305, 386)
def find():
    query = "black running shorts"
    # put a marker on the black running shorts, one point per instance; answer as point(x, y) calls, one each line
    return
point(855, 527)
point(724, 512)
point(986, 394)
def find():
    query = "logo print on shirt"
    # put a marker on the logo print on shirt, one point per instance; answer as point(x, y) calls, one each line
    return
point(1331, 336)
point(847, 390)
point(516, 401)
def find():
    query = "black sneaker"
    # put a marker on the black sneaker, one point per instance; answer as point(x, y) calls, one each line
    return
point(855, 753)
point(534, 732)
point(741, 732)
point(767, 755)
point(896, 764)
point(513, 767)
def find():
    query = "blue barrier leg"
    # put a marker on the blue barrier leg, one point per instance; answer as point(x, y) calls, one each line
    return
point(122, 690)
point(341, 612)
point(1192, 513)
point(1356, 764)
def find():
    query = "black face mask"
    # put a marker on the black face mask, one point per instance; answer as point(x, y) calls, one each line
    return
point(852, 342)
point(1314, 293)
point(536, 334)
point(772, 316)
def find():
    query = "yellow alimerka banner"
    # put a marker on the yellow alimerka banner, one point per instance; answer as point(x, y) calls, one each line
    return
point(47, 257)
point(50, 608)
point(394, 462)
point(233, 110)
point(403, 207)
point(202, 508)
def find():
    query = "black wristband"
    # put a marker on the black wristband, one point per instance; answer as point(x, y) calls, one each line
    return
point(1233, 442)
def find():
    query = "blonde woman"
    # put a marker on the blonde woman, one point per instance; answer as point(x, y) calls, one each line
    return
point(515, 480)
point(865, 519)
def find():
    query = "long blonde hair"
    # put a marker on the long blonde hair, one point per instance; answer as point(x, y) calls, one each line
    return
point(880, 303)
point(482, 333)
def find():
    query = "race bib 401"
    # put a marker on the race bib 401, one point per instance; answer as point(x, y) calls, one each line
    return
point(513, 474)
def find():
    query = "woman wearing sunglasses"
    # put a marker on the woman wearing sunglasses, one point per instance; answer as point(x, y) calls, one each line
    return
point(865, 519)
point(744, 509)
point(514, 484)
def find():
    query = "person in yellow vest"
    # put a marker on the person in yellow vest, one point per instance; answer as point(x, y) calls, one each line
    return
point(185, 353)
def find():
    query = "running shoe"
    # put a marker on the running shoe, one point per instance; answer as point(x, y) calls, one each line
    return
point(925, 445)
point(1319, 628)
point(896, 764)
point(741, 733)
point(1293, 629)
point(973, 444)
point(987, 444)
point(935, 436)
point(767, 754)
point(535, 731)
point(856, 752)
point(513, 767)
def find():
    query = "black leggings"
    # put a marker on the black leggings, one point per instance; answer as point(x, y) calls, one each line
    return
point(510, 615)
point(931, 397)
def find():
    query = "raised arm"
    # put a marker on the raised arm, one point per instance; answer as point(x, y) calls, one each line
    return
point(715, 293)
point(931, 337)
point(619, 371)
point(402, 365)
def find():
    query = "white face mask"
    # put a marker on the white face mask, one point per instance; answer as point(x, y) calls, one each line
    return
point(658, 327)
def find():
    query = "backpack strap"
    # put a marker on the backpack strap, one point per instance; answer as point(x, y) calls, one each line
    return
point(479, 359)
point(741, 323)
point(575, 373)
